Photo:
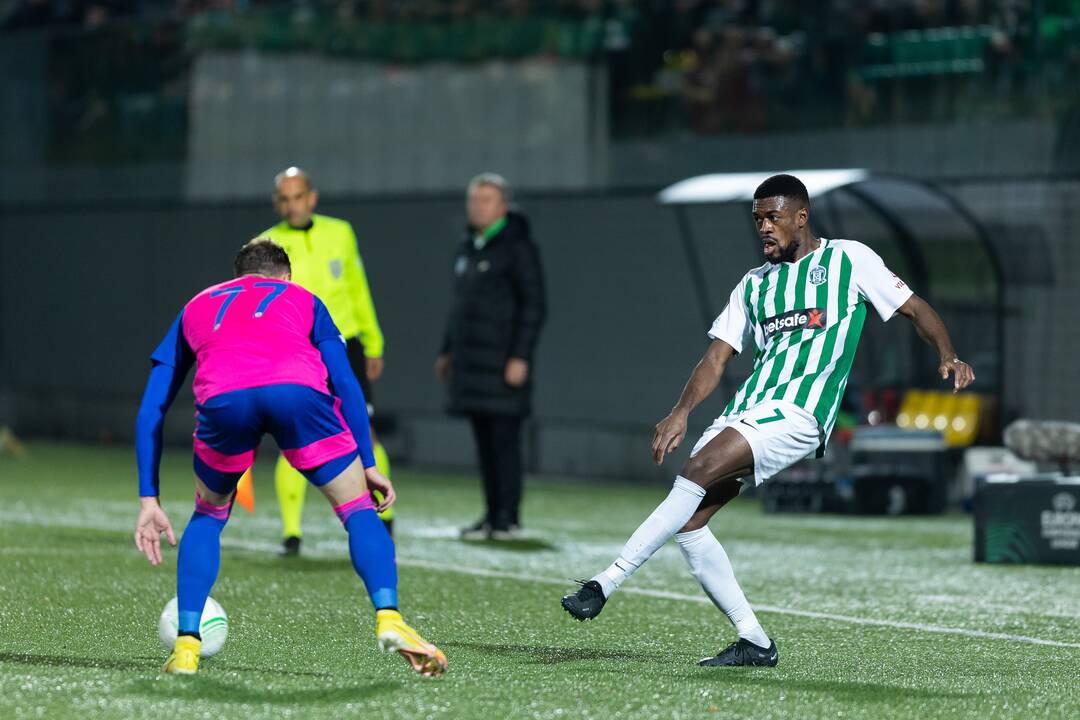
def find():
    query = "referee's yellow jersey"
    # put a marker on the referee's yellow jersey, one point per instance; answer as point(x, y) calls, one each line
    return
point(325, 261)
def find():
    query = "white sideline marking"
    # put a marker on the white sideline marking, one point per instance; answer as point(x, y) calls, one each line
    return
point(941, 629)
point(263, 546)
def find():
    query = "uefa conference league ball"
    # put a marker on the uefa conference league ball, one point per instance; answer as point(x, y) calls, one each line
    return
point(214, 627)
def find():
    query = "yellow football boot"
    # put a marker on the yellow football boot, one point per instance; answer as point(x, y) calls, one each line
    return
point(184, 659)
point(394, 635)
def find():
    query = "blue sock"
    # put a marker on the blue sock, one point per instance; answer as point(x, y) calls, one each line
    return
point(372, 553)
point(198, 563)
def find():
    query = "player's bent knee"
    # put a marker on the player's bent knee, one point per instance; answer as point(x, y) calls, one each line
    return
point(211, 497)
point(347, 486)
point(696, 469)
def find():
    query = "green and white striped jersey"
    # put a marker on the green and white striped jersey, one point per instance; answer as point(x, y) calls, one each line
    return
point(805, 318)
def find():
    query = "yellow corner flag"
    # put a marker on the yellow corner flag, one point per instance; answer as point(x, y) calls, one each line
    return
point(245, 492)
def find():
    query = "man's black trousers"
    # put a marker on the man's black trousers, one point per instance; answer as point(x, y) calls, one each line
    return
point(498, 446)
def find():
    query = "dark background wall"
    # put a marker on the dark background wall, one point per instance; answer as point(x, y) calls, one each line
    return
point(85, 293)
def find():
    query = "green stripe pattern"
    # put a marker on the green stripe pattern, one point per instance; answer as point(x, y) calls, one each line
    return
point(807, 366)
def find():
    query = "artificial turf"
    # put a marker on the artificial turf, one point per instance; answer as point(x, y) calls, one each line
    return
point(873, 617)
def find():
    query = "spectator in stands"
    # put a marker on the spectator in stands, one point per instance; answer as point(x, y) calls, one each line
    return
point(703, 80)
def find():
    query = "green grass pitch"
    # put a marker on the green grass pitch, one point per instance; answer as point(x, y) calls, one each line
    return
point(874, 617)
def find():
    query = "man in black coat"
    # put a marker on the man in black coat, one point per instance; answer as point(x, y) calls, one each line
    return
point(486, 359)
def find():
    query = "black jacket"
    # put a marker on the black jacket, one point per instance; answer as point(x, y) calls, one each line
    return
point(496, 312)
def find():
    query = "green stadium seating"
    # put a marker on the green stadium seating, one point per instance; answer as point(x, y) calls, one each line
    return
point(921, 53)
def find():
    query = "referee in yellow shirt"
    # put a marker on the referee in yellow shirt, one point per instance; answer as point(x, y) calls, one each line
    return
point(326, 261)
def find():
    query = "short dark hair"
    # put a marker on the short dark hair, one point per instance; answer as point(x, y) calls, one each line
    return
point(787, 186)
point(261, 256)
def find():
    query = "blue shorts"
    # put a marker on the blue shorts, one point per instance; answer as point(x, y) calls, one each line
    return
point(306, 424)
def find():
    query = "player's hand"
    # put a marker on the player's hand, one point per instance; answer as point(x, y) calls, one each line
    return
point(669, 433)
point(151, 523)
point(375, 368)
point(377, 481)
point(517, 372)
point(442, 367)
point(963, 375)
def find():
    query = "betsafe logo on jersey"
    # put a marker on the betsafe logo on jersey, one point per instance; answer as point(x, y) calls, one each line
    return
point(808, 319)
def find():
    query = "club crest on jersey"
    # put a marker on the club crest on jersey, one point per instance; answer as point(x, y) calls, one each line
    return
point(817, 275)
point(808, 319)
point(336, 268)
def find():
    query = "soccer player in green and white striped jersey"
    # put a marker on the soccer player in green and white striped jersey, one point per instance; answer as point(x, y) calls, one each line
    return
point(803, 310)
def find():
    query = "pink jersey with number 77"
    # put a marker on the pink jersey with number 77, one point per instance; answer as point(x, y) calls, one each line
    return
point(255, 331)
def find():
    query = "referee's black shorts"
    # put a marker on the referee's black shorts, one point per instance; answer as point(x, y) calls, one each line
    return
point(354, 350)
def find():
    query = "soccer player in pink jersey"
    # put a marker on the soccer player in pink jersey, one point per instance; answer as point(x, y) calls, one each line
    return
point(268, 359)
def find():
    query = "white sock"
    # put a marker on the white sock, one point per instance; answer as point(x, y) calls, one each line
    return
point(712, 568)
point(665, 521)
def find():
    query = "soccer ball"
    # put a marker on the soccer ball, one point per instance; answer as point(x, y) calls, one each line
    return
point(214, 627)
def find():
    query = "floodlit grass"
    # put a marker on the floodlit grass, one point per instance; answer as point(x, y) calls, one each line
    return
point(910, 627)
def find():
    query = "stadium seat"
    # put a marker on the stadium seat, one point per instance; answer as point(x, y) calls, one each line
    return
point(964, 425)
point(956, 417)
point(919, 53)
point(905, 419)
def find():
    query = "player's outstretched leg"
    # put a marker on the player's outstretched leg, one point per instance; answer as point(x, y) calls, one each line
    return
point(665, 521)
point(372, 552)
point(196, 571)
point(668, 518)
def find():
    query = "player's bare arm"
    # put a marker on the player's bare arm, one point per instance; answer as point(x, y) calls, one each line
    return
point(932, 330)
point(703, 381)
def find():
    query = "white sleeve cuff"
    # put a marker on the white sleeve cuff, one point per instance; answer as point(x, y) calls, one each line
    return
point(734, 342)
point(897, 301)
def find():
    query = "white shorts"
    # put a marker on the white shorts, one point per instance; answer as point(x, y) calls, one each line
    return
point(780, 434)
